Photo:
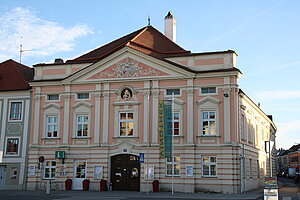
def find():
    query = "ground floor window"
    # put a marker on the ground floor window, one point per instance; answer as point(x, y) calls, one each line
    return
point(209, 166)
point(12, 146)
point(173, 168)
point(50, 169)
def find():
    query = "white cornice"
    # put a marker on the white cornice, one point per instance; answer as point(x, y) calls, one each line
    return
point(88, 105)
point(57, 106)
point(208, 98)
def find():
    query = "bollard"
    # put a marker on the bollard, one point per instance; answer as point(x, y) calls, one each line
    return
point(48, 187)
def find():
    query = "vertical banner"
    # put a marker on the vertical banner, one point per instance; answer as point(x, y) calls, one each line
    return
point(165, 128)
point(161, 129)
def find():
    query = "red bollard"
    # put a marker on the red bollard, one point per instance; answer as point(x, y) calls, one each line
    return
point(85, 185)
point(103, 185)
point(68, 184)
point(155, 186)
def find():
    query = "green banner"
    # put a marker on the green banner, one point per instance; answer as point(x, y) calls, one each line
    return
point(165, 128)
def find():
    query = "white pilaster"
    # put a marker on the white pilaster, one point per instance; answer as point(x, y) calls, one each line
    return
point(37, 107)
point(146, 137)
point(155, 93)
point(226, 93)
point(66, 115)
point(190, 112)
point(26, 125)
point(105, 113)
point(97, 116)
point(3, 128)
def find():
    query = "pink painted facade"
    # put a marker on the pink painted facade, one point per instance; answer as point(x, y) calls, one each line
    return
point(106, 114)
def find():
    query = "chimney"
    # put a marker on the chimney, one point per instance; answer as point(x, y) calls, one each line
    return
point(58, 61)
point(170, 27)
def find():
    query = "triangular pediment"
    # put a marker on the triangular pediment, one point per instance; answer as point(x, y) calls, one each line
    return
point(126, 64)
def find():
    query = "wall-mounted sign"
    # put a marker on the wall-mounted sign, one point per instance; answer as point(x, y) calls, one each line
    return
point(59, 154)
point(142, 157)
point(189, 170)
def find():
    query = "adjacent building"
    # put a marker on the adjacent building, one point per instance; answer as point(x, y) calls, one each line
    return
point(94, 115)
point(15, 107)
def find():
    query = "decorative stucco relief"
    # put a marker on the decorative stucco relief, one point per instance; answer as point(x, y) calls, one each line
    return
point(128, 68)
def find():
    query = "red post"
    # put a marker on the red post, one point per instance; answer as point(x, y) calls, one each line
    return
point(155, 186)
point(103, 185)
point(85, 185)
point(68, 184)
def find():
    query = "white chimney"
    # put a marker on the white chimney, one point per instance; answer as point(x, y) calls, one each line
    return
point(170, 27)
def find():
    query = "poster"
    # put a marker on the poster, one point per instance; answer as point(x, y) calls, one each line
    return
point(31, 170)
point(189, 170)
point(149, 172)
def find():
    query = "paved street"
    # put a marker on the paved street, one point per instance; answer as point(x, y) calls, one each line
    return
point(90, 195)
point(288, 190)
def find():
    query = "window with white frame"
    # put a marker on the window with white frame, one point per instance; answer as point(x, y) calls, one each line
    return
point(249, 131)
point(208, 90)
point(170, 92)
point(53, 97)
point(208, 122)
point(83, 96)
point(173, 168)
point(82, 125)
point(176, 123)
point(209, 166)
point(50, 169)
point(15, 111)
point(52, 126)
point(126, 123)
point(251, 168)
point(12, 146)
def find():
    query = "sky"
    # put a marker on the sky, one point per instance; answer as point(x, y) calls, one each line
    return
point(265, 35)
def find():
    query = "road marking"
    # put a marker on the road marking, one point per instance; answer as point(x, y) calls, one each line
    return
point(287, 198)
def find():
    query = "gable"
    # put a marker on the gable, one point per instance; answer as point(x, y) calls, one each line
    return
point(125, 64)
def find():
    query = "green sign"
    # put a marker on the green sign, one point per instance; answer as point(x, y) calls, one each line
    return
point(165, 128)
point(60, 154)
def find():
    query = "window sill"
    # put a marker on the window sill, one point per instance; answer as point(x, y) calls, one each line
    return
point(208, 136)
point(173, 176)
point(13, 155)
point(178, 136)
point(87, 137)
point(48, 179)
point(209, 176)
point(51, 138)
point(118, 137)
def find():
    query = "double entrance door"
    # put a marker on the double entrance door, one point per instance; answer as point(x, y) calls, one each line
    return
point(125, 172)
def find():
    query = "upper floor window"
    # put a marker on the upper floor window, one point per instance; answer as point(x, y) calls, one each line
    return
point(209, 166)
point(126, 123)
point(294, 159)
point(170, 92)
point(12, 146)
point(173, 168)
point(82, 125)
point(83, 96)
point(176, 123)
point(49, 170)
point(15, 111)
point(208, 90)
point(52, 126)
point(53, 97)
point(249, 131)
point(243, 127)
point(208, 122)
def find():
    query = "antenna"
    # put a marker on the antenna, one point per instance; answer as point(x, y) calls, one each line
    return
point(149, 20)
point(21, 50)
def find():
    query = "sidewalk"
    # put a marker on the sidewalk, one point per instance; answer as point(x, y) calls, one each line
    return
point(74, 195)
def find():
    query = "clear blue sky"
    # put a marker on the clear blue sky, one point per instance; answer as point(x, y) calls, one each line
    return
point(265, 34)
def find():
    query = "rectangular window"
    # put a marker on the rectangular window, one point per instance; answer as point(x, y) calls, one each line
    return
point(249, 131)
point(209, 166)
point(83, 96)
point(53, 97)
point(12, 146)
point(15, 111)
point(209, 123)
point(13, 173)
point(294, 159)
point(49, 170)
point(251, 168)
point(258, 169)
point(208, 90)
point(170, 92)
point(126, 124)
point(173, 168)
point(243, 127)
point(52, 126)
point(82, 125)
point(176, 123)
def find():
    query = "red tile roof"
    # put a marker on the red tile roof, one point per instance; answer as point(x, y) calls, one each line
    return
point(15, 76)
point(147, 40)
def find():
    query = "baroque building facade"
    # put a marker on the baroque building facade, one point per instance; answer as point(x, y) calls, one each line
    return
point(102, 110)
point(15, 105)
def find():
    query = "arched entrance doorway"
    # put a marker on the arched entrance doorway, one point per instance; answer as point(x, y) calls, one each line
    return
point(125, 172)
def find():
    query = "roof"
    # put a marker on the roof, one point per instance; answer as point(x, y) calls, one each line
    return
point(295, 147)
point(15, 76)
